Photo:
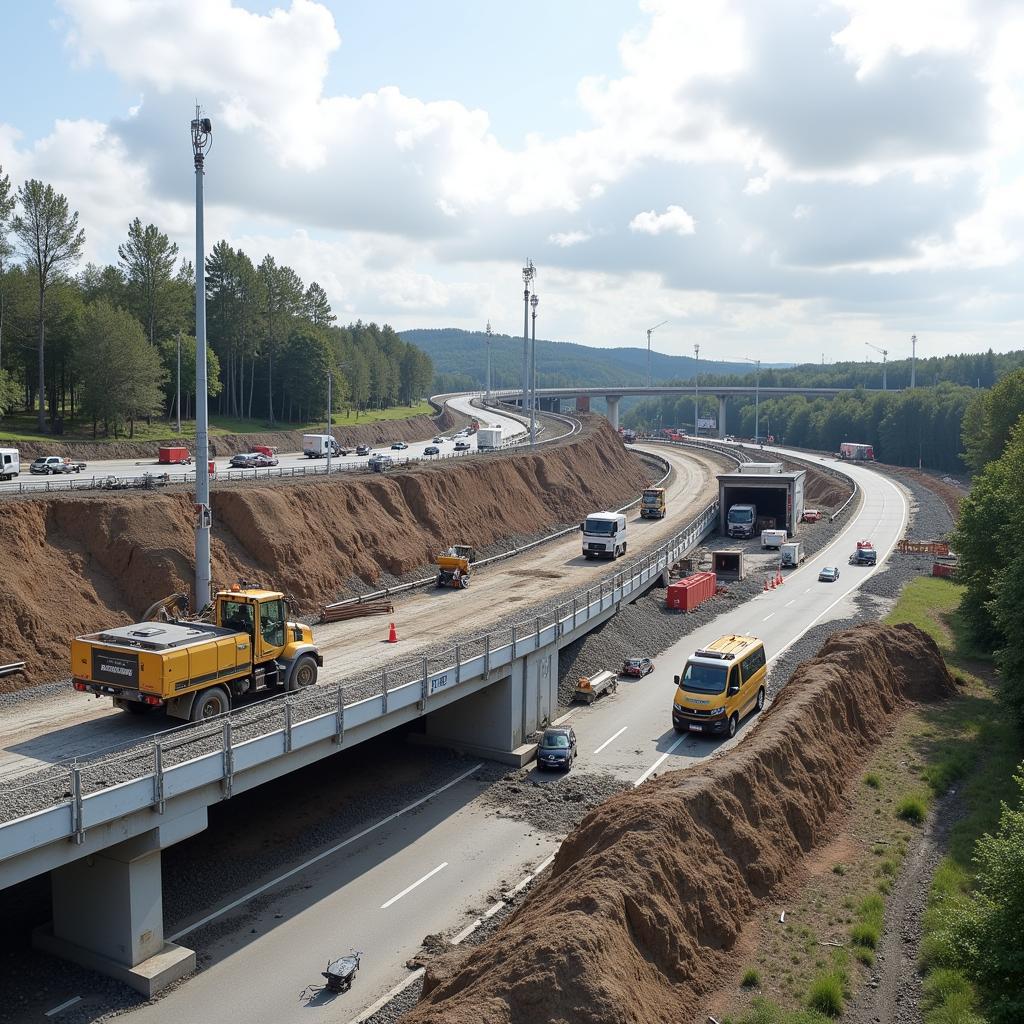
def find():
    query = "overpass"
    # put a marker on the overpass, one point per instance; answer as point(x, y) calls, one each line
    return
point(549, 399)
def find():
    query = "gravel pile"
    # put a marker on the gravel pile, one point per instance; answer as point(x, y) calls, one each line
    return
point(552, 802)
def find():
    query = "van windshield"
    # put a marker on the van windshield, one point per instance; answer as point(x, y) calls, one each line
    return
point(704, 678)
point(600, 527)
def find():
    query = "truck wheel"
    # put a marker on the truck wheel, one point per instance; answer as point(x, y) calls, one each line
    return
point(210, 703)
point(623, 549)
point(465, 582)
point(588, 555)
point(760, 699)
point(733, 723)
point(304, 673)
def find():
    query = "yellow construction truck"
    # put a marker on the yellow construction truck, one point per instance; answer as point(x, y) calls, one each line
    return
point(195, 669)
point(453, 566)
point(652, 503)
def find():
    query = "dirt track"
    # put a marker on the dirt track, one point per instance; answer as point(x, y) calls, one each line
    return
point(648, 895)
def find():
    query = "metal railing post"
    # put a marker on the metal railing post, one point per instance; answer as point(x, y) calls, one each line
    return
point(536, 642)
point(287, 726)
point(158, 777)
point(383, 691)
point(487, 654)
point(574, 611)
point(513, 641)
point(229, 760)
point(339, 716)
point(76, 806)
point(424, 685)
point(458, 665)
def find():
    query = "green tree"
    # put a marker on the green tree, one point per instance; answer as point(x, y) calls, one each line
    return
point(316, 308)
point(169, 358)
point(991, 417)
point(52, 243)
point(149, 257)
point(6, 249)
point(122, 375)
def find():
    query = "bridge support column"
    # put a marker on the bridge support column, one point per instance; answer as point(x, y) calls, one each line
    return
point(108, 911)
point(721, 416)
point(613, 411)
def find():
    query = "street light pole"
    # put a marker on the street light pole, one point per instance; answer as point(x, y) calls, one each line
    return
point(202, 131)
point(330, 424)
point(178, 402)
point(488, 388)
point(913, 361)
point(528, 274)
point(533, 373)
point(696, 393)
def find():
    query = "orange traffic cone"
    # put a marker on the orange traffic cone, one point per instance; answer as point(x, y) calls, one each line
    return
point(766, 587)
point(392, 634)
point(771, 583)
point(779, 579)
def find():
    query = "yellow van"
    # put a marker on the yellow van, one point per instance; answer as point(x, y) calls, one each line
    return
point(720, 685)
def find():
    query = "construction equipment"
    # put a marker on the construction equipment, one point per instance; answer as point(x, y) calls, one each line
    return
point(340, 972)
point(652, 503)
point(194, 669)
point(589, 688)
point(453, 566)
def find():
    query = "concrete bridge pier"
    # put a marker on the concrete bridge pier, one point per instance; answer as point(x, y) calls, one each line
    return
point(613, 410)
point(108, 911)
point(721, 416)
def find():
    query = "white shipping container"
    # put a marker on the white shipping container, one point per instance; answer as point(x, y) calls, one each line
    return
point(10, 463)
point(773, 538)
point(488, 438)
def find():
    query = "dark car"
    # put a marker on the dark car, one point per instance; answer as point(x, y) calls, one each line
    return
point(638, 667)
point(829, 574)
point(247, 460)
point(399, 446)
point(362, 449)
point(557, 749)
point(439, 439)
point(864, 556)
point(462, 446)
point(431, 449)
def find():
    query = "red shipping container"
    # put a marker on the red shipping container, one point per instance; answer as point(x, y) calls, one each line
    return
point(173, 454)
point(687, 594)
point(939, 569)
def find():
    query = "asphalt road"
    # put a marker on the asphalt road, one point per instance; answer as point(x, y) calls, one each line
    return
point(132, 468)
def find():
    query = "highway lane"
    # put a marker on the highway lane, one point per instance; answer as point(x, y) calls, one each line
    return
point(135, 468)
point(34, 734)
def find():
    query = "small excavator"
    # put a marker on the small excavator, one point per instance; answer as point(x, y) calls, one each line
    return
point(453, 566)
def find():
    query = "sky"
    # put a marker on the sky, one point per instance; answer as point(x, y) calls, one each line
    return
point(792, 180)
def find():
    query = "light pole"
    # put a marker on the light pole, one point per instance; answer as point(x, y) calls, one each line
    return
point(488, 389)
point(179, 381)
point(650, 331)
point(913, 362)
point(696, 394)
point(330, 418)
point(529, 271)
point(202, 132)
point(533, 372)
point(757, 393)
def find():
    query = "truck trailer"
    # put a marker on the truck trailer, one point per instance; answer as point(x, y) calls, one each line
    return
point(10, 463)
point(856, 452)
point(488, 439)
point(193, 669)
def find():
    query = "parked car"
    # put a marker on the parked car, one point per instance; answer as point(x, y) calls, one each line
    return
point(431, 449)
point(440, 440)
point(252, 460)
point(462, 446)
point(810, 515)
point(638, 667)
point(362, 449)
point(399, 446)
point(557, 749)
point(829, 574)
point(50, 464)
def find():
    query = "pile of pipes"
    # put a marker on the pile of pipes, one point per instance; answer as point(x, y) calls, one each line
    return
point(354, 610)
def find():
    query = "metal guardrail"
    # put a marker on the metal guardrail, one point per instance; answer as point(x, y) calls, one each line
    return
point(12, 669)
point(77, 797)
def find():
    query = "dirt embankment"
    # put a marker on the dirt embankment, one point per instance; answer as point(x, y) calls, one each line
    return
point(72, 564)
point(415, 428)
point(648, 895)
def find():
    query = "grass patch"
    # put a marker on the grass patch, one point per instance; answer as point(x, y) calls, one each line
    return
point(827, 994)
point(872, 780)
point(913, 808)
point(751, 978)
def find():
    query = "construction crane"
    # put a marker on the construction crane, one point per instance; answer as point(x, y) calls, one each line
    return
point(885, 353)
point(650, 331)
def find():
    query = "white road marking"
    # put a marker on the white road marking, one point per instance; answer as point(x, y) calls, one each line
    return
point(409, 888)
point(63, 1006)
point(320, 856)
point(768, 616)
point(543, 864)
point(661, 760)
point(469, 929)
point(493, 910)
point(788, 603)
point(610, 738)
point(388, 996)
point(808, 590)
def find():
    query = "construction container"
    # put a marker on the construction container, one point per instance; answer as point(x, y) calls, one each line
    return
point(688, 593)
point(943, 569)
point(172, 454)
point(728, 564)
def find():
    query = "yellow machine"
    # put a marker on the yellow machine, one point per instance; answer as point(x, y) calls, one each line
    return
point(652, 504)
point(453, 566)
point(193, 670)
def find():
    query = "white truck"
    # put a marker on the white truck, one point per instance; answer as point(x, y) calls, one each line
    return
point(740, 520)
point(48, 465)
point(773, 538)
point(316, 446)
point(10, 463)
point(604, 535)
point(792, 554)
point(488, 439)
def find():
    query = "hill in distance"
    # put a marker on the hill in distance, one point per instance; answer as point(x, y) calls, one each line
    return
point(460, 362)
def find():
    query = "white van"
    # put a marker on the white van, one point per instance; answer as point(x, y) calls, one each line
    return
point(10, 463)
point(604, 535)
point(316, 446)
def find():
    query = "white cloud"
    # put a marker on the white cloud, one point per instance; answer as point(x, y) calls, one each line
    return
point(564, 239)
point(675, 219)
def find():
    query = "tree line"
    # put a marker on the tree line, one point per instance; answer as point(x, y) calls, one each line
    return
point(919, 427)
point(102, 344)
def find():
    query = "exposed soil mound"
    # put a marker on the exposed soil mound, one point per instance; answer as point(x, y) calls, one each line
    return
point(648, 895)
point(414, 428)
point(71, 564)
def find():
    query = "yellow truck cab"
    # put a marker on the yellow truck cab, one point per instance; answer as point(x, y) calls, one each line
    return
point(194, 670)
point(720, 685)
point(652, 503)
